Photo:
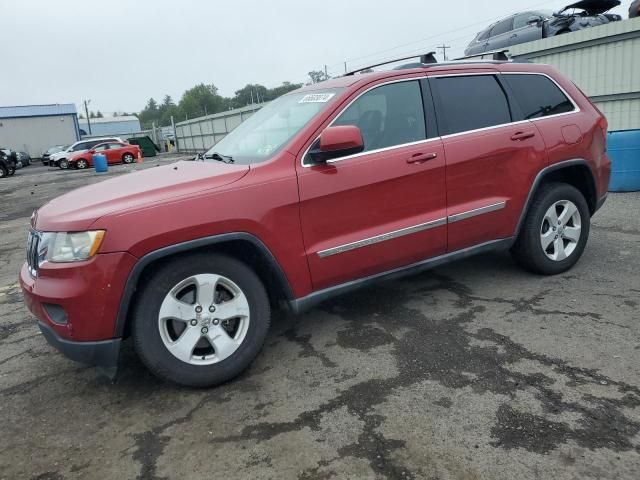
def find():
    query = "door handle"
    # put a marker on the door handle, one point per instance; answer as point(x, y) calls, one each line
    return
point(522, 136)
point(514, 35)
point(418, 158)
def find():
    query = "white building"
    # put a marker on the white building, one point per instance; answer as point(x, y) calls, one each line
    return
point(36, 128)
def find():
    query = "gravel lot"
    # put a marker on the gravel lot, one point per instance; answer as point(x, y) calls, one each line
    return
point(473, 371)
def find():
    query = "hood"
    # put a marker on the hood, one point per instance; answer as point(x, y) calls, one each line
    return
point(593, 7)
point(62, 154)
point(79, 209)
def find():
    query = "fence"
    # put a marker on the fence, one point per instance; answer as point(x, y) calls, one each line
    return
point(202, 133)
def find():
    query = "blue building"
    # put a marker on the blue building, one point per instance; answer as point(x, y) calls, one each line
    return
point(122, 126)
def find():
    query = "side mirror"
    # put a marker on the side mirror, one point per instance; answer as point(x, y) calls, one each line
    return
point(534, 19)
point(336, 142)
point(92, 151)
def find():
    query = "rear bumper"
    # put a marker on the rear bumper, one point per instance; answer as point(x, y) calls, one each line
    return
point(103, 354)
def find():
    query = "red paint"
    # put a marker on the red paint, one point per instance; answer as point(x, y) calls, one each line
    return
point(298, 211)
point(340, 138)
point(113, 154)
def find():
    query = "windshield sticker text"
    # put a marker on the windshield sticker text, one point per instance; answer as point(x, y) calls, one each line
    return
point(317, 98)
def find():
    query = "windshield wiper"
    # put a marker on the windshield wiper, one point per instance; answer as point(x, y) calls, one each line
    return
point(220, 157)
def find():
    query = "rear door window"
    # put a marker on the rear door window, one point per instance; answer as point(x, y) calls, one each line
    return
point(538, 96)
point(388, 115)
point(465, 103)
point(502, 27)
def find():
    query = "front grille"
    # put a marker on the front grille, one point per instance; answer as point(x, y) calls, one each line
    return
point(33, 242)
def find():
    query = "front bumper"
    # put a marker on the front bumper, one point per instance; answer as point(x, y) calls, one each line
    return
point(77, 305)
point(103, 354)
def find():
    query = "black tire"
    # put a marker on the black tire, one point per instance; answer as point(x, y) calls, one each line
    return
point(128, 158)
point(146, 333)
point(81, 164)
point(528, 250)
point(3, 171)
point(63, 164)
point(11, 170)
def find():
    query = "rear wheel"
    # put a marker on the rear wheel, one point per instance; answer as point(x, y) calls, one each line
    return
point(3, 171)
point(63, 164)
point(201, 320)
point(82, 164)
point(128, 158)
point(555, 231)
point(11, 170)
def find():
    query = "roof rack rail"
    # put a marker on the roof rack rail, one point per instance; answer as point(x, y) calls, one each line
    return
point(427, 58)
point(498, 55)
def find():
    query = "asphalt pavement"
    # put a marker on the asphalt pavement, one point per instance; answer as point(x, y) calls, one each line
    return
point(477, 370)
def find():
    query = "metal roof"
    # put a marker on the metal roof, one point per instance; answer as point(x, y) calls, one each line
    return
point(38, 110)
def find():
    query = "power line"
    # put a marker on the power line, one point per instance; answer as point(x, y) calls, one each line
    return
point(444, 49)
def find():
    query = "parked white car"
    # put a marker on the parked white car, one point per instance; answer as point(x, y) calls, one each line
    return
point(60, 159)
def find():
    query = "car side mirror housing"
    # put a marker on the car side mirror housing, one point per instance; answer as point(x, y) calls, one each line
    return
point(534, 19)
point(336, 142)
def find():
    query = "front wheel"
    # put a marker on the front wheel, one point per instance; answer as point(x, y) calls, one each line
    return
point(3, 171)
point(128, 158)
point(200, 320)
point(555, 231)
point(82, 164)
point(63, 164)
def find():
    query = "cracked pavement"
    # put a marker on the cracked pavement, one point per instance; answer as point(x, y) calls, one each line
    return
point(473, 370)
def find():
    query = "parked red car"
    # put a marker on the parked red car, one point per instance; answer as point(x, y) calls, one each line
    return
point(115, 152)
point(326, 189)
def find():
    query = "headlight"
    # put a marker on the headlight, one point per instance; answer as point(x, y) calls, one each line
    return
point(60, 247)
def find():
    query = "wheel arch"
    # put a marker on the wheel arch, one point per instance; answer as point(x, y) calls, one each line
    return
point(575, 172)
point(240, 245)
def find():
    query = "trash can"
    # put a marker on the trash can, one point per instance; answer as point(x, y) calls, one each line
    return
point(623, 148)
point(100, 163)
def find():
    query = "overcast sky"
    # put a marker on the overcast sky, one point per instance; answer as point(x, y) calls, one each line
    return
point(118, 53)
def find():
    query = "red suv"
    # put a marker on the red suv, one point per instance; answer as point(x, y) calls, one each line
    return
point(328, 188)
point(115, 152)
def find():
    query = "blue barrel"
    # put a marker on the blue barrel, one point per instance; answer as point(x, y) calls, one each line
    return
point(100, 163)
point(623, 148)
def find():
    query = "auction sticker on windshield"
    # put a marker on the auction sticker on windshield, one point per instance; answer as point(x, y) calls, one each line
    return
point(317, 98)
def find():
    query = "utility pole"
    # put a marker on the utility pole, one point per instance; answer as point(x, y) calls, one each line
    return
point(345, 68)
point(326, 74)
point(86, 111)
point(444, 48)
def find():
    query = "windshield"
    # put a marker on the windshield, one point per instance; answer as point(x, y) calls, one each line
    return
point(270, 128)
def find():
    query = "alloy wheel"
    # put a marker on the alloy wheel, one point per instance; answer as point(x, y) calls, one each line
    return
point(128, 158)
point(81, 164)
point(560, 231)
point(204, 319)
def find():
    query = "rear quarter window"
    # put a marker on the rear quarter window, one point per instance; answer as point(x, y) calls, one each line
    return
point(538, 96)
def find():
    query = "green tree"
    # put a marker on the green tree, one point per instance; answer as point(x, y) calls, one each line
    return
point(251, 93)
point(167, 110)
point(149, 114)
point(201, 100)
point(99, 114)
point(286, 87)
